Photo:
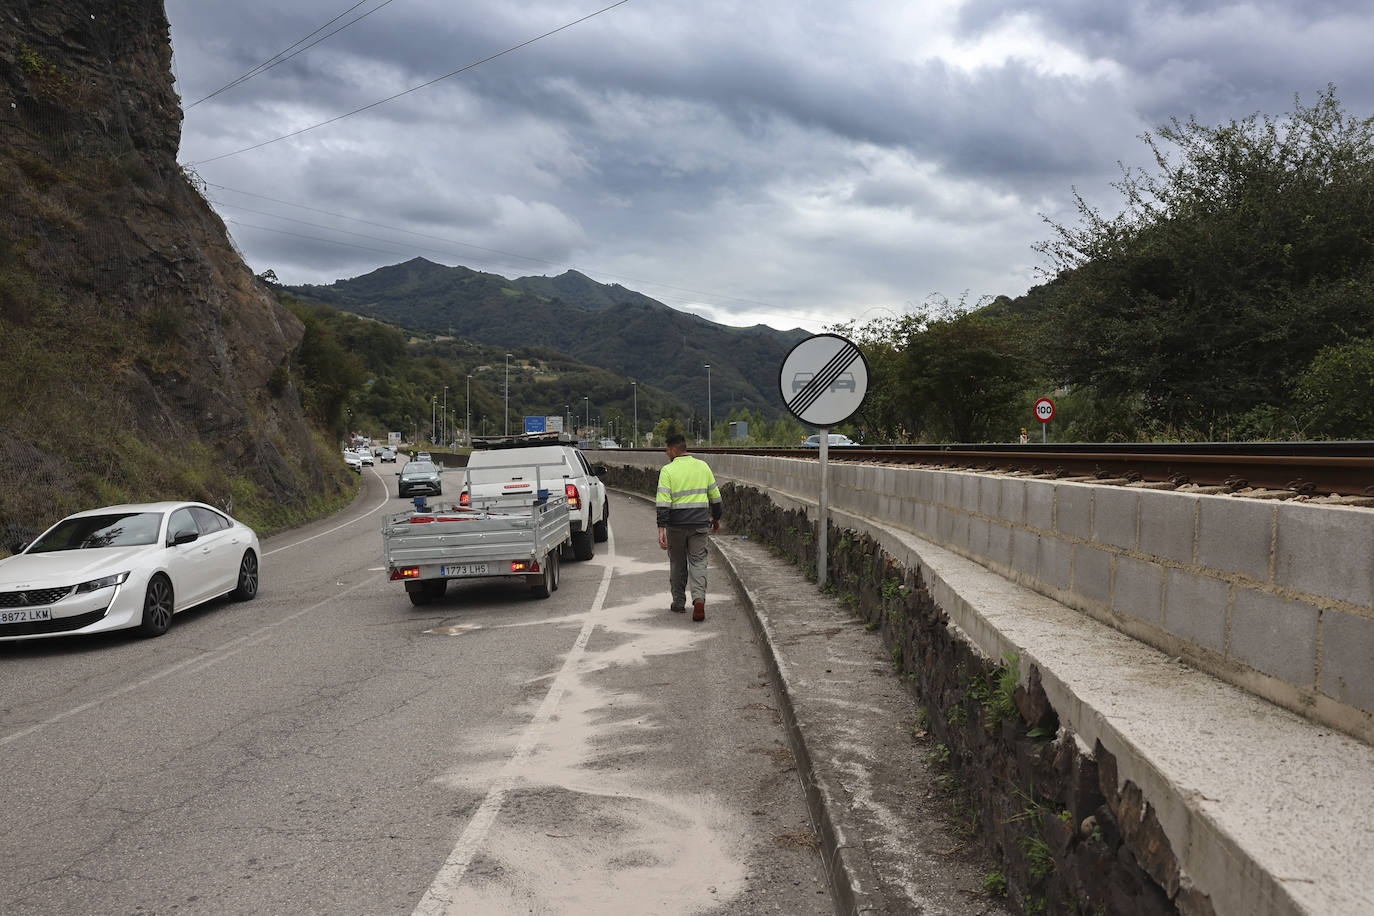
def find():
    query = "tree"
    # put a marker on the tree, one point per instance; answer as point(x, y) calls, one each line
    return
point(329, 375)
point(888, 413)
point(665, 428)
point(1231, 266)
point(965, 375)
point(1335, 394)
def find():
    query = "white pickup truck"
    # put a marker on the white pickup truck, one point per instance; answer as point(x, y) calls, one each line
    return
point(516, 465)
point(520, 534)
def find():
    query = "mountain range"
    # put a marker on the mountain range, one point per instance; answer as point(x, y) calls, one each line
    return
point(603, 325)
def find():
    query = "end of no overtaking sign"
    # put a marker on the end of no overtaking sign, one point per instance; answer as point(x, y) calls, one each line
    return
point(823, 380)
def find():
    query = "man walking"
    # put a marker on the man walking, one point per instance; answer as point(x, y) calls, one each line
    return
point(688, 505)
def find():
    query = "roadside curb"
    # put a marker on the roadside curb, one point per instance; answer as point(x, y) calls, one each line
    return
point(848, 867)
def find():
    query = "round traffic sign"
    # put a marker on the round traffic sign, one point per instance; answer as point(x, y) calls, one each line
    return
point(1044, 410)
point(823, 380)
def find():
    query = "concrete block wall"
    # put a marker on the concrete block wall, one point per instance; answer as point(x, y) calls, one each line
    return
point(1273, 596)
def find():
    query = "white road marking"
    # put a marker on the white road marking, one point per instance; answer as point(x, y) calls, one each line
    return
point(385, 499)
point(439, 897)
point(215, 656)
point(195, 663)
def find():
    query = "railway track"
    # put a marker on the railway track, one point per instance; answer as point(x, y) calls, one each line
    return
point(1270, 469)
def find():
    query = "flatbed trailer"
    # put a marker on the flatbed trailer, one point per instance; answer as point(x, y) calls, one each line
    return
point(431, 544)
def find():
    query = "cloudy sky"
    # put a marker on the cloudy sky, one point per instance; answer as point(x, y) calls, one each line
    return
point(788, 162)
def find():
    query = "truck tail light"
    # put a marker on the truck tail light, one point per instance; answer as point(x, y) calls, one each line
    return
point(464, 499)
point(524, 566)
point(405, 572)
point(574, 500)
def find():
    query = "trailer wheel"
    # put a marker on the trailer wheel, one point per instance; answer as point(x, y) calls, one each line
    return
point(424, 592)
point(545, 584)
point(554, 560)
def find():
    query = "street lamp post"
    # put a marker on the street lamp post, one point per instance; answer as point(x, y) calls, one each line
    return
point(445, 427)
point(467, 427)
point(635, 386)
point(433, 408)
point(507, 394)
point(588, 424)
point(708, 404)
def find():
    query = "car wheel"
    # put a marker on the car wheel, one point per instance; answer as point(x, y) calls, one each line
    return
point(583, 548)
point(544, 585)
point(158, 603)
point(599, 532)
point(247, 588)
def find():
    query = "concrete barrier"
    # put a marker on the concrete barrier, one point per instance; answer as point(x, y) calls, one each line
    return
point(1236, 808)
point(1276, 597)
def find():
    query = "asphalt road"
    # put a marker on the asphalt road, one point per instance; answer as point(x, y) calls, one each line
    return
point(329, 748)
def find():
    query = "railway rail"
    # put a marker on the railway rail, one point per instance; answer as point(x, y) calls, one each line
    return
point(1274, 469)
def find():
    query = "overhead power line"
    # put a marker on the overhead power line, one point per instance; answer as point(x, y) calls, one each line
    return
point(282, 56)
point(392, 98)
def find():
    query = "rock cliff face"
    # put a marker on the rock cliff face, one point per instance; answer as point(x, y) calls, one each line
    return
point(139, 357)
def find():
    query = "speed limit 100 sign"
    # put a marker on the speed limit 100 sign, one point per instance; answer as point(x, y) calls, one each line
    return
point(1044, 410)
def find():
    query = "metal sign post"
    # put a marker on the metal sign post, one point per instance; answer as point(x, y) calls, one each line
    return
point(823, 537)
point(823, 381)
point(1044, 412)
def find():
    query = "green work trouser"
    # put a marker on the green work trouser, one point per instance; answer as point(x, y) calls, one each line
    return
point(687, 563)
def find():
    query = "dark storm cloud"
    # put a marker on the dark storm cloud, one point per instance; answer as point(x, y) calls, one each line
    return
point(814, 159)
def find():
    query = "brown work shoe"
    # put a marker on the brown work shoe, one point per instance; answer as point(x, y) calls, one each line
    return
point(677, 610)
point(698, 610)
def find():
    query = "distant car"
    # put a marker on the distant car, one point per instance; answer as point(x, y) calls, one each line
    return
point(420, 477)
point(814, 441)
point(386, 454)
point(365, 455)
point(609, 443)
point(125, 566)
point(423, 456)
point(354, 461)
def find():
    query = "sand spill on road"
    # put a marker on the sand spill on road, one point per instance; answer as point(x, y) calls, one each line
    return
point(582, 829)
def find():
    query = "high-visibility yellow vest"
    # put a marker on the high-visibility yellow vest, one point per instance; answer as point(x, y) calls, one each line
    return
point(687, 494)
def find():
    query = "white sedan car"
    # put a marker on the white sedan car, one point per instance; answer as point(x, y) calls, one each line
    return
point(125, 566)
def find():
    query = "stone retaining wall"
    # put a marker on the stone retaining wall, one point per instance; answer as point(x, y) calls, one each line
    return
point(1070, 839)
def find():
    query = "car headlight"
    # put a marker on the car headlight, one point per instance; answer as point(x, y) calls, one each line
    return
point(102, 582)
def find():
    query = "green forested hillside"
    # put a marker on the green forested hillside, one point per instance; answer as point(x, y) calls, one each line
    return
point(362, 375)
point(582, 291)
point(627, 334)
